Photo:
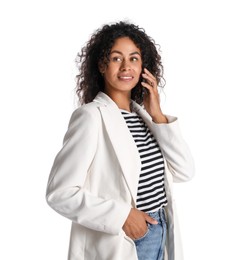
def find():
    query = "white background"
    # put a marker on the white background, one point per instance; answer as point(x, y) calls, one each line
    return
point(203, 47)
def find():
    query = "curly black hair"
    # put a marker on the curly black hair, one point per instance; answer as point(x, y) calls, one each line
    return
point(97, 50)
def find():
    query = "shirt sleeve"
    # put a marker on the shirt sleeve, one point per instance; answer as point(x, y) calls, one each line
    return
point(176, 151)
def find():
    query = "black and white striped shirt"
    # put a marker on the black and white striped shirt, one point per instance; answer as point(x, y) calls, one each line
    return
point(151, 190)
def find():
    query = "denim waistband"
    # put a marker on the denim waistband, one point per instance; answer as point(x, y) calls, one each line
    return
point(159, 215)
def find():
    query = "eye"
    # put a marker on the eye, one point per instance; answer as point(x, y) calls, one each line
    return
point(116, 59)
point(134, 58)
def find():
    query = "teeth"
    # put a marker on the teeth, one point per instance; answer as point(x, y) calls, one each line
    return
point(125, 77)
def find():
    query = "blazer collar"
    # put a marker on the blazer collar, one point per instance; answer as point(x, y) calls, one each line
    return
point(143, 113)
point(105, 100)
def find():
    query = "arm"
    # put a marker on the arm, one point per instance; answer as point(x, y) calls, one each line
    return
point(65, 190)
point(176, 152)
point(167, 133)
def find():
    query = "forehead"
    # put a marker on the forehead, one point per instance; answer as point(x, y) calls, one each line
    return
point(124, 45)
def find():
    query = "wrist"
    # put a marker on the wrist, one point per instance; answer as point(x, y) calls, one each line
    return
point(160, 119)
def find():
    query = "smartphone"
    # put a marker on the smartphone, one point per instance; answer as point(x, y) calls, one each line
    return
point(144, 90)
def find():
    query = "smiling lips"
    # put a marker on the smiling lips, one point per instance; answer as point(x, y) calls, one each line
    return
point(125, 77)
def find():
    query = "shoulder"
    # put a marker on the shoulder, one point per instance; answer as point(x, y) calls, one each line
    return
point(87, 113)
point(89, 108)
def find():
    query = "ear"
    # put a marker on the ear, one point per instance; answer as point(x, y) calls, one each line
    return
point(101, 67)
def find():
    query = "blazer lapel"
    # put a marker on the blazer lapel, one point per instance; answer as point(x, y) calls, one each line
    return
point(122, 142)
point(143, 113)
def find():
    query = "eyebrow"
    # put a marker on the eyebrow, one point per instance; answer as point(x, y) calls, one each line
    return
point(132, 53)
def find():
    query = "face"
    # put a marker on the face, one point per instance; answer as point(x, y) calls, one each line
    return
point(124, 68)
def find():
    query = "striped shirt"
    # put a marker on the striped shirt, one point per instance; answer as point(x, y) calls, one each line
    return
point(151, 189)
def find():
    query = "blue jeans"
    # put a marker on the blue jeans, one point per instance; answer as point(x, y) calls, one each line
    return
point(151, 245)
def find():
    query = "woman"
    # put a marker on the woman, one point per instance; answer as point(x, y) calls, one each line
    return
point(113, 176)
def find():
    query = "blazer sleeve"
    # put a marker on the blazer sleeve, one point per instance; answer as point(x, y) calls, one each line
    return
point(175, 149)
point(65, 192)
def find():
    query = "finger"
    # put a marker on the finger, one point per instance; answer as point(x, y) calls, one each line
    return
point(149, 73)
point(148, 77)
point(148, 86)
point(150, 80)
point(150, 220)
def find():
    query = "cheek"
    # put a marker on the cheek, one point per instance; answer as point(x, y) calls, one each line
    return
point(112, 69)
point(139, 69)
point(139, 72)
point(137, 78)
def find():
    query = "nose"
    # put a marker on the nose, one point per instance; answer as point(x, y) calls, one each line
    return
point(125, 65)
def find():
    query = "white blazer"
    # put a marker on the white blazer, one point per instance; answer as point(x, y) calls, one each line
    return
point(94, 179)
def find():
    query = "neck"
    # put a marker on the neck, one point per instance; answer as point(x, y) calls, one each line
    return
point(122, 99)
